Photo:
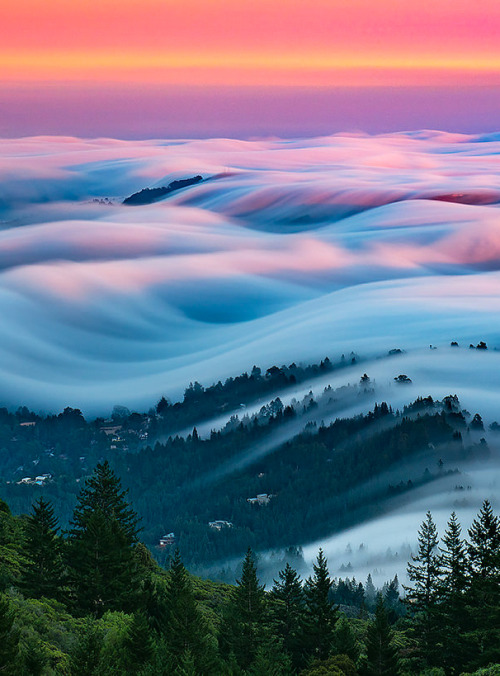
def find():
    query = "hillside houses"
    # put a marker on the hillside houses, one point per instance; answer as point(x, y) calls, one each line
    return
point(261, 499)
point(219, 525)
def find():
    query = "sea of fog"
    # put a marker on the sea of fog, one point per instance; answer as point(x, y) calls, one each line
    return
point(289, 250)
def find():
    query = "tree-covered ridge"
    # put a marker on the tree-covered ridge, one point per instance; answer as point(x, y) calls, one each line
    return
point(283, 455)
point(165, 621)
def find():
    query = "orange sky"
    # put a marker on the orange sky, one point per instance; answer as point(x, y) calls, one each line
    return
point(252, 42)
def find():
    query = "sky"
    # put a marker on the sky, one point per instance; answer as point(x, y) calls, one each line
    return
point(190, 67)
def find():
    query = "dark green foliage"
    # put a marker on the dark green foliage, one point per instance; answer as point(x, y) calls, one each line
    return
point(186, 631)
point(451, 613)
point(86, 655)
point(483, 597)
point(9, 639)
point(243, 628)
point(338, 665)
point(288, 613)
point(321, 614)
point(43, 572)
point(424, 572)
point(345, 641)
point(138, 645)
point(103, 571)
point(382, 656)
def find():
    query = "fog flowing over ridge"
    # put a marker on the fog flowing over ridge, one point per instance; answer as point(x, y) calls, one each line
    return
point(287, 251)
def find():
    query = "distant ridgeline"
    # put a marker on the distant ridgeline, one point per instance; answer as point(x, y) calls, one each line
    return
point(150, 195)
point(275, 478)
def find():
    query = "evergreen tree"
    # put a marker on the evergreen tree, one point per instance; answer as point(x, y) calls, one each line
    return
point(321, 614)
point(425, 570)
point(423, 596)
point(43, 570)
point(370, 592)
point(138, 644)
point(186, 630)
point(392, 600)
point(86, 656)
point(453, 561)
point(243, 629)
point(483, 596)
point(287, 610)
point(451, 616)
point(382, 656)
point(103, 569)
point(9, 639)
point(345, 641)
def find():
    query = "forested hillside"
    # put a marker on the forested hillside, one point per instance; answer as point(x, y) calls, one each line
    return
point(273, 476)
point(92, 601)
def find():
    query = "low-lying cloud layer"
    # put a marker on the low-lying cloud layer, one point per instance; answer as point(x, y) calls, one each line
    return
point(288, 250)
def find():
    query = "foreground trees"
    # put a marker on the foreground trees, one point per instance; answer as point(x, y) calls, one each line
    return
point(100, 553)
point(166, 622)
point(456, 593)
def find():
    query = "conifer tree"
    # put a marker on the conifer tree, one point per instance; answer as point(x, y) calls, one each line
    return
point(484, 592)
point(451, 612)
point(287, 610)
point(138, 644)
point(321, 614)
point(243, 629)
point(43, 571)
point(423, 596)
point(392, 600)
point(425, 570)
point(453, 560)
point(370, 592)
point(9, 639)
point(103, 569)
point(86, 655)
point(345, 640)
point(186, 631)
point(382, 657)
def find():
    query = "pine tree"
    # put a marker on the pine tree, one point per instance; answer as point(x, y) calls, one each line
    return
point(138, 644)
point(453, 560)
point(370, 592)
point(287, 611)
point(392, 600)
point(451, 612)
point(423, 596)
point(425, 570)
point(186, 630)
point(382, 656)
point(483, 596)
point(103, 569)
point(243, 629)
point(9, 639)
point(321, 614)
point(345, 640)
point(86, 655)
point(43, 571)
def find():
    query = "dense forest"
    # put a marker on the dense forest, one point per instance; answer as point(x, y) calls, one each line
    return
point(92, 601)
point(271, 477)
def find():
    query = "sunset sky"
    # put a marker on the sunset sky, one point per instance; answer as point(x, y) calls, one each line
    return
point(106, 45)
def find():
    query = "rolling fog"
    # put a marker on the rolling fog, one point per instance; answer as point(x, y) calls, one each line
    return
point(288, 251)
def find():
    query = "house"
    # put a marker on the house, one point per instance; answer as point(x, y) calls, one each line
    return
point(219, 525)
point(261, 499)
point(110, 429)
point(167, 540)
